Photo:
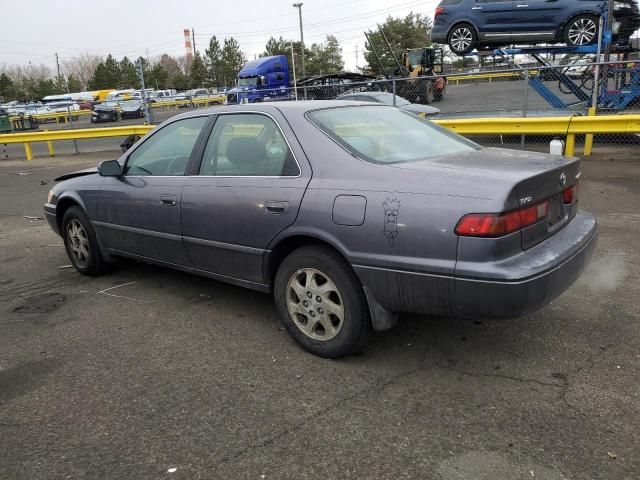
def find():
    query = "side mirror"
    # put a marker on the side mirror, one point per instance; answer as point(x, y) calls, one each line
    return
point(109, 168)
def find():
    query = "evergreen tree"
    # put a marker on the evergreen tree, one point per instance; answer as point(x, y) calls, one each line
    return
point(411, 31)
point(128, 78)
point(213, 62)
point(6, 86)
point(197, 71)
point(232, 60)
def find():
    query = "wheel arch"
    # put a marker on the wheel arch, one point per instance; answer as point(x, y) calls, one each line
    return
point(287, 243)
point(566, 22)
point(381, 319)
point(66, 201)
point(459, 22)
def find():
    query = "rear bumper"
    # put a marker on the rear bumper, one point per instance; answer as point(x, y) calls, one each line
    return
point(438, 35)
point(519, 286)
point(557, 263)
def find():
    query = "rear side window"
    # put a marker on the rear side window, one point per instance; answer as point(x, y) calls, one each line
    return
point(247, 144)
point(380, 134)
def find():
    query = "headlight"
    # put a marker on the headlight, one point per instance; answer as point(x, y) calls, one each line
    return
point(50, 196)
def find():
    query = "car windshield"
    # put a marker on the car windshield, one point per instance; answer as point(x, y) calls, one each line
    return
point(247, 81)
point(386, 135)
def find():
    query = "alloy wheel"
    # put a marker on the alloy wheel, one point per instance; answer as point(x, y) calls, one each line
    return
point(582, 31)
point(461, 39)
point(315, 304)
point(78, 242)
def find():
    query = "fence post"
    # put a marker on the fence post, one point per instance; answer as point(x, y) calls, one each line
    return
point(393, 89)
point(525, 101)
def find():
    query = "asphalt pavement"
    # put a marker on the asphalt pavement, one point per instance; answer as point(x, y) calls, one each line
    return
point(151, 373)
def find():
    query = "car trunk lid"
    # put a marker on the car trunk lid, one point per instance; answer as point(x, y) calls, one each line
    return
point(534, 178)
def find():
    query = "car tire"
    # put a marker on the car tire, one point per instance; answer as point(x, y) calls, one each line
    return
point(321, 302)
point(462, 38)
point(81, 243)
point(581, 30)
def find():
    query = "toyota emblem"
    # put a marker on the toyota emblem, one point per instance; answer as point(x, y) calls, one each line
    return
point(563, 179)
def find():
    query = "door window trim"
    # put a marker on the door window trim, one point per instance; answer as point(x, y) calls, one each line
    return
point(210, 131)
point(205, 130)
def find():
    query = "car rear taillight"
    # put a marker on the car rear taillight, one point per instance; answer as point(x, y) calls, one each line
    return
point(570, 194)
point(499, 224)
point(439, 10)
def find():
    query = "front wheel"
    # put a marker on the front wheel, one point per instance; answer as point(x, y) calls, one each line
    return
point(462, 39)
point(81, 243)
point(321, 302)
point(581, 30)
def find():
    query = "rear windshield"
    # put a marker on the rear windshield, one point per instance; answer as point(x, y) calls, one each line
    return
point(450, 2)
point(380, 134)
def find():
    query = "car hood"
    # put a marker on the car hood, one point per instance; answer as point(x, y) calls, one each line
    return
point(79, 173)
point(417, 109)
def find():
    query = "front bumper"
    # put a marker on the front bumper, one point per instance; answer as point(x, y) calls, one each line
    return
point(50, 215)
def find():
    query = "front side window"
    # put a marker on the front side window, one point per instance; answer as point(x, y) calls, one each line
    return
point(247, 144)
point(167, 152)
point(380, 134)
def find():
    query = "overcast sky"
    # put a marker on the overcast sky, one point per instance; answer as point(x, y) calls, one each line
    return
point(141, 27)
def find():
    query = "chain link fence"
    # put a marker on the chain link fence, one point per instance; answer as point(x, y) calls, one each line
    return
point(565, 90)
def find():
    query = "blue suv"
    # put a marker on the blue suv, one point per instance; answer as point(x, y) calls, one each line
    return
point(469, 24)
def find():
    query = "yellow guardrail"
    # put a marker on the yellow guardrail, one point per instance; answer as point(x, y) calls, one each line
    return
point(567, 127)
point(27, 138)
point(200, 102)
point(487, 76)
point(58, 116)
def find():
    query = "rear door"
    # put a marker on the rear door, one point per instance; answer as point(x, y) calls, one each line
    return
point(248, 188)
point(493, 19)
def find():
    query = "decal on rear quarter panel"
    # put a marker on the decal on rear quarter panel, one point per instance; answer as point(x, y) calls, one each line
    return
point(391, 208)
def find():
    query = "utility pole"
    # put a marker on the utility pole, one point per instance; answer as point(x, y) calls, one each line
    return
point(356, 56)
point(293, 66)
point(193, 40)
point(148, 113)
point(58, 66)
point(299, 7)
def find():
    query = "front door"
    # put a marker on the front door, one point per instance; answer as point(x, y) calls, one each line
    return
point(140, 210)
point(249, 188)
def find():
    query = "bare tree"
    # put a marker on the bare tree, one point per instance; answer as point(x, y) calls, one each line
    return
point(82, 67)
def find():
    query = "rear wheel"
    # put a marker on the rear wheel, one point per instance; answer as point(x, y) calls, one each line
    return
point(581, 30)
point(81, 243)
point(321, 302)
point(462, 38)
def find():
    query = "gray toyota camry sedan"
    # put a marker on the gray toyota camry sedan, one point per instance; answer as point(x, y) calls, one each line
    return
point(350, 213)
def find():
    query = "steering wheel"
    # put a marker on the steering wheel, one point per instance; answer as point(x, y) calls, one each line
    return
point(177, 166)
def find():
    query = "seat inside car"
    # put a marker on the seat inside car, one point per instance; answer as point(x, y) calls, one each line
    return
point(246, 156)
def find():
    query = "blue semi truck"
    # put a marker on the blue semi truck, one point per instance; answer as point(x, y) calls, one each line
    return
point(263, 79)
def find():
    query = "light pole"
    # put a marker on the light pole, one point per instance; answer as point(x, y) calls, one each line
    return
point(299, 7)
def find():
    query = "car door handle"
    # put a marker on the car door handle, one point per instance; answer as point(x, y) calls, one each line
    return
point(169, 200)
point(277, 207)
point(476, 8)
point(522, 6)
